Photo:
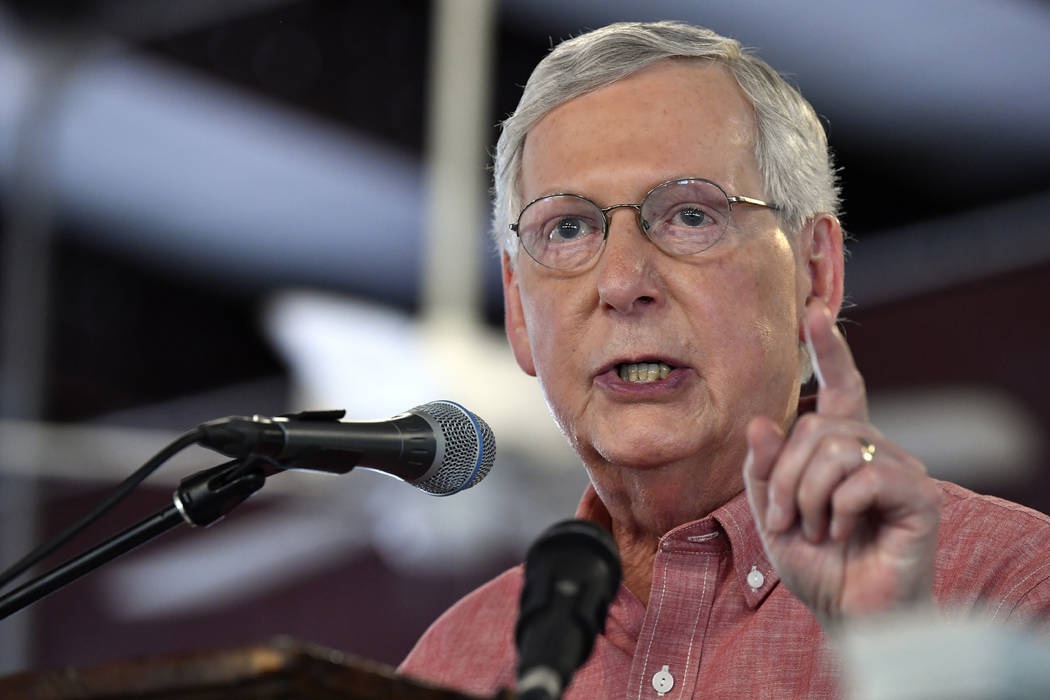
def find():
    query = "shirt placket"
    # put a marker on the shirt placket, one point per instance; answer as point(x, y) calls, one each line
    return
point(667, 656)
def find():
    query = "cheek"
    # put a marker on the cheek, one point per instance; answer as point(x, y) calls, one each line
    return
point(776, 330)
point(555, 338)
point(776, 312)
point(762, 324)
point(552, 331)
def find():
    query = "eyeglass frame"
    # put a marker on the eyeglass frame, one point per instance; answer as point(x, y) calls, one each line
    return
point(642, 223)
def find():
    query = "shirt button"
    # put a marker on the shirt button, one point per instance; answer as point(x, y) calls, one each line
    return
point(755, 579)
point(663, 681)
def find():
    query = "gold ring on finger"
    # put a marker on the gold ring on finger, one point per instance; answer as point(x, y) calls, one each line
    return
point(867, 450)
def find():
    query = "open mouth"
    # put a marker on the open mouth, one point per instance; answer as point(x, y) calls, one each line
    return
point(643, 372)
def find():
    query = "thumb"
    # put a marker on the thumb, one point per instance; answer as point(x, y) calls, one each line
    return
point(764, 440)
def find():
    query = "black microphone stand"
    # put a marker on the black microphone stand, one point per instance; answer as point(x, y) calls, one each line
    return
point(201, 499)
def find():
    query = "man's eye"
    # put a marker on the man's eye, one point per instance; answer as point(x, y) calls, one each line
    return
point(692, 217)
point(568, 229)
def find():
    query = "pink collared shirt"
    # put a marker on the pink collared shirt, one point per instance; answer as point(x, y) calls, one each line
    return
point(718, 623)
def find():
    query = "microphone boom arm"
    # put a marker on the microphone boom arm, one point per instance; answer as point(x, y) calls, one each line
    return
point(201, 499)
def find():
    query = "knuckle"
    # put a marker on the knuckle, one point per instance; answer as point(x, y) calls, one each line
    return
point(912, 462)
point(807, 425)
point(931, 492)
point(841, 448)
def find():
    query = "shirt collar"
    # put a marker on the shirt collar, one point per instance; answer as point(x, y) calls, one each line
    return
point(748, 554)
point(734, 519)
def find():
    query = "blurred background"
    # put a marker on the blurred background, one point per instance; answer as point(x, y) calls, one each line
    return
point(258, 206)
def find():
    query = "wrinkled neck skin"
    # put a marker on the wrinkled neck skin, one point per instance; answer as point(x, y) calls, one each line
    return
point(645, 504)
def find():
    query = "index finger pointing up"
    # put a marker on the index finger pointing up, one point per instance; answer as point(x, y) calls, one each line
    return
point(841, 385)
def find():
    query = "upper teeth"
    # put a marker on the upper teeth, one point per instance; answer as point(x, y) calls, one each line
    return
point(638, 372)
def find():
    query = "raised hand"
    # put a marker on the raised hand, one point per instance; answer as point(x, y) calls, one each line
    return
point(848, 519)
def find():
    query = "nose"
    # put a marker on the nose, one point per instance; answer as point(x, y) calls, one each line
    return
point(627, 276)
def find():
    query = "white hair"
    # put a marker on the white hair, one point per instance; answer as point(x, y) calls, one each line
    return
point(791, 148)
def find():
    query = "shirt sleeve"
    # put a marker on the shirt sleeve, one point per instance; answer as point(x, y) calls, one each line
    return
point(1033, 609)
point(993, 558)
point(471, 646)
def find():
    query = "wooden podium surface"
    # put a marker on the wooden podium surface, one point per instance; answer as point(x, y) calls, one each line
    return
point(282, 669)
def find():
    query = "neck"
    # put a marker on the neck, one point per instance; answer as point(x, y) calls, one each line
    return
point(646, 504)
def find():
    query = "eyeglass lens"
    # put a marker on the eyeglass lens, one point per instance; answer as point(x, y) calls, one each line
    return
point(682, 217)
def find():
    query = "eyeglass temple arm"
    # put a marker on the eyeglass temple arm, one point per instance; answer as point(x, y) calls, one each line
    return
point(751, 200)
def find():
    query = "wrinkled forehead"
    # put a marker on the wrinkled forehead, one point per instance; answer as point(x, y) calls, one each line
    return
point(673, 118)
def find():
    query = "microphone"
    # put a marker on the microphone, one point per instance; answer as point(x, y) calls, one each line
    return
point(439, 447)
point(572, 573)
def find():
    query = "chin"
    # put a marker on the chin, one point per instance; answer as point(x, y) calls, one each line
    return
point(643, 451)
point(641, 438)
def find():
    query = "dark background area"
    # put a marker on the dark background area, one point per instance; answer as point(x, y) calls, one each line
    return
point(363, 66)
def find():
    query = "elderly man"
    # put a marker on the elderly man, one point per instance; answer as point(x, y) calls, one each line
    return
point(672, 268)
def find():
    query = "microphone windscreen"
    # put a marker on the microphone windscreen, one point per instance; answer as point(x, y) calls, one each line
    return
point(468, 448)
point(572, 574)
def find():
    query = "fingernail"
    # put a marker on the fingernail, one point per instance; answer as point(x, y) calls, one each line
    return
point(835, 529)
point(813, 355)
point(808, 533)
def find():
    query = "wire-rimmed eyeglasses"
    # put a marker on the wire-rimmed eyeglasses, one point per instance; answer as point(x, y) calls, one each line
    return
point(681, 217)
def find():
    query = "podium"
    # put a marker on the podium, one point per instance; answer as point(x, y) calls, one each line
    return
point(282, 669)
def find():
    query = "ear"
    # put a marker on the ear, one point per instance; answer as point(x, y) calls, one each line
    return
point(514, 318)
point(822, 246)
